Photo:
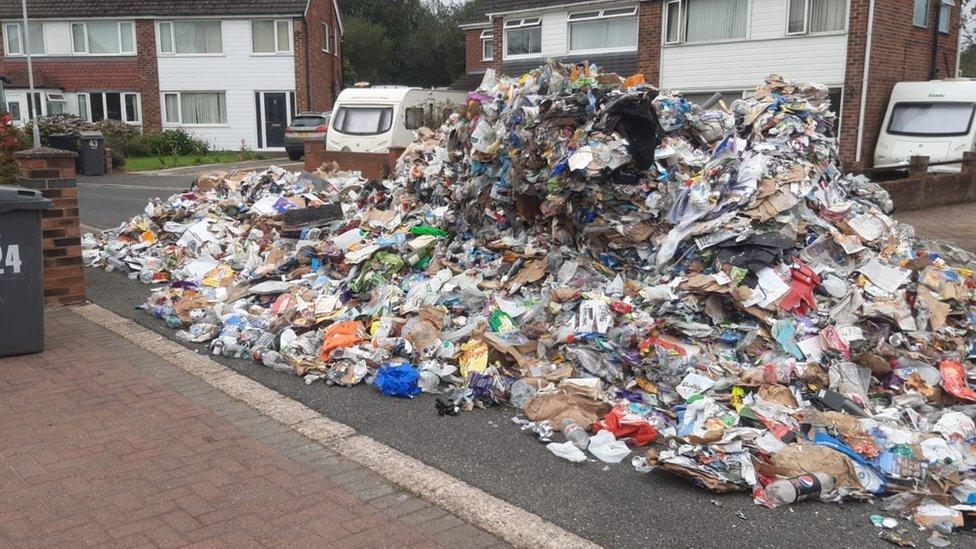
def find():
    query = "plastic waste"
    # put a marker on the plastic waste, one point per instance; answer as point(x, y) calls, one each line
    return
point(575, 433)
point(792, 490)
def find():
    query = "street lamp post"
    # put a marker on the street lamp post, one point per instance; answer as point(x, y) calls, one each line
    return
point(34, 107)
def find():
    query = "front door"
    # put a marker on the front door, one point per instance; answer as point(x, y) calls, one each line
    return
point(275, 119)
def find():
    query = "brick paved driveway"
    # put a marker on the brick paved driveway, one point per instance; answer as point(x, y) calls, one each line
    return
point(103, 443)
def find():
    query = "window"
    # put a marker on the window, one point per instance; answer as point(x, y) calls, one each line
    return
point(523, 36)
point(363, 120)
point(672, 22)
point(326, 38)
point(931, 119)
point(414, 117)
point(487, 45)
point(122, 106)
point(56, 103)
point(190, 37)
point(14, 109)
point(83, 106)
point(335, 40)
point(270, 36)
point(945, 16)
point(701, 98)
point(15, 38)
point(102, 38)
point(195, 108)
point(603, 30)
point(34, 105)
point(705, 20)
point(817, 16)
point(921, 17)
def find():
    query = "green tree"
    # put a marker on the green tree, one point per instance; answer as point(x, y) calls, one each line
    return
point(407, 42)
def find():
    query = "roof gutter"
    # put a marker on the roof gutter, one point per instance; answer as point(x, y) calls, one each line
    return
point(557, 6)
point(865, 78)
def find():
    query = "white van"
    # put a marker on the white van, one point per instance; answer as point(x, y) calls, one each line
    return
point(933, 119)
point(374, 119)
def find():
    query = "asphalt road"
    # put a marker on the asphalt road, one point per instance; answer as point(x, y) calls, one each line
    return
point(610, 504)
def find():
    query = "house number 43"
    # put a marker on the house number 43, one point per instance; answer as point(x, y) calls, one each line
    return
point(10, 259)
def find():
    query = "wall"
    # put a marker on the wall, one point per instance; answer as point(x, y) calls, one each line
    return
point(473, 52)
point(324, 69)
point(900, 51)
point(744, 64)
point(236, 71)
point(922, 190)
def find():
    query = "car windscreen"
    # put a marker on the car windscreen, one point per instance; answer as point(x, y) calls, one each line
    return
point(931, 119)
point(363, 120)
point(308, 122)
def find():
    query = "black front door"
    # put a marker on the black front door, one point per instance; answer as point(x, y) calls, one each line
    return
point(275, 119)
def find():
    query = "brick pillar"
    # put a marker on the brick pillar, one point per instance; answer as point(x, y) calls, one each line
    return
point(301, 80)
point(52, 172)
point(649, 23)
point(152, 118)
point(314, 154)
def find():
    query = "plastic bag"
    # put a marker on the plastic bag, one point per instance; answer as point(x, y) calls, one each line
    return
point(398, 380)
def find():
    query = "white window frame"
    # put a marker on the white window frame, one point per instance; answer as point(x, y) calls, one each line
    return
point(600, 14)
point(335, 41)
point(487, 35)
point(326, 38)
point(664, 23)
point(928, 8)
point(86, 97)
point(274, 23)
point(806, 20)
point(23, 39)
point(179, 113)
point(87, 51)
point(523, 23)
point(172, 38)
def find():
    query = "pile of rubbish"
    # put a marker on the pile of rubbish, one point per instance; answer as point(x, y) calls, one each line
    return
point(702, 291)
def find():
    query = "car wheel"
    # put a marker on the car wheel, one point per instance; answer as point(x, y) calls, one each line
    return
point(295, 155)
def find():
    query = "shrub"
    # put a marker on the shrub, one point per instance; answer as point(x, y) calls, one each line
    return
point(12, 139)
point(172, 143)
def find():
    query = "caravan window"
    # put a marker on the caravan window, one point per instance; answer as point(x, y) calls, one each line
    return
point(363, 120)
point(931, 119)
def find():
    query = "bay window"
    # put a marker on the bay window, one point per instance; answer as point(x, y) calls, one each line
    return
point(813, 16)
point(523, 36)
point(103, 37)
point(195, 108)
point(326, 38)
point(945, 15)
point(271, 36)
point(603, 30)
point(15, 38)
point(122, 106)
point(705, 20)
point(189, 37)
point(487, 45)
point(921, 13)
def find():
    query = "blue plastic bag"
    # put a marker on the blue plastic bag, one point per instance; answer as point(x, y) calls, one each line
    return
point(398, 380)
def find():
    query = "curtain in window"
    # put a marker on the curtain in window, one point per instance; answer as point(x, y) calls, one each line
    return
point(524, 41)
point(36, 38)
point(262, 35)
point(204, 108)
point(172, 108)
point(103, 37)
point(828, 15)
point(284, 37)
point(798, 15)
point(197, 36)
point(716, 19)
point(128, 42)
point(603, 33)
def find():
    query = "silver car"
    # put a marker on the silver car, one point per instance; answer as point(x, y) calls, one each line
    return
point(306, 126)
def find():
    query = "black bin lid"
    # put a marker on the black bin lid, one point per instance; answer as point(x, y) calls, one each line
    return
point(19, 198)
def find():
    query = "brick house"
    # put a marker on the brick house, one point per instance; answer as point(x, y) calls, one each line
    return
point(704, 46)
point(231, 72)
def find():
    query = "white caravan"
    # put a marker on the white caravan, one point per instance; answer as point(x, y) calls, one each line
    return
point(933, 119)
point(374, 119)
